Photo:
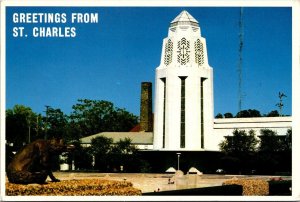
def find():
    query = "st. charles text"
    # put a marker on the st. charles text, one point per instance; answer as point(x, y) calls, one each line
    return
point(47, 32)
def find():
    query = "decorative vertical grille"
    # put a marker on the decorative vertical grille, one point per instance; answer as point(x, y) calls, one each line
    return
point(199, 53)
point(183, 51)
point(168, 52)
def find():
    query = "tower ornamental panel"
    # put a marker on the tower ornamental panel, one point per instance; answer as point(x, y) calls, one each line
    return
point(168, 52)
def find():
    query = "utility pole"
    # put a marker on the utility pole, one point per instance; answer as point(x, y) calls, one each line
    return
point(28, 121)
point(46, 129)
point(37, 125)
point(240, 64)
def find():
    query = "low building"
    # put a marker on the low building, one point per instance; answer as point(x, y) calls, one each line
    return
point(222, 127)
point(142, 140)
point(226, 126)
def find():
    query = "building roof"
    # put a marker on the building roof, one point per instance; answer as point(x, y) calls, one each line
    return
point(184, 18)
point(136, 128)
point(139, 138)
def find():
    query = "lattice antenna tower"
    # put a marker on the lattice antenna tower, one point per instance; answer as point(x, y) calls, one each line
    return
point(240, 63)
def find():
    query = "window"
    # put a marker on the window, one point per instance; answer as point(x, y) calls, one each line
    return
point(182, 113)
point(202, 111)
point(164, 112)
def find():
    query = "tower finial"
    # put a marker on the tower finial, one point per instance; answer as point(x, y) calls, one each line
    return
point(184, 18)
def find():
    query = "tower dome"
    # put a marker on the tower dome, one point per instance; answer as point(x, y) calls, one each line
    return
point(184, 18)
point(183, 23)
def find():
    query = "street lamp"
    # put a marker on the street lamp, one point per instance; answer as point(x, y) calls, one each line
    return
point(178, 156)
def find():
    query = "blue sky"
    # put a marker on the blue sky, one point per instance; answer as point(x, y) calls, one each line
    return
point(109, 60)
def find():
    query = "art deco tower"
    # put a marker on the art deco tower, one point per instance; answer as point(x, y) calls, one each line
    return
point(183, 89)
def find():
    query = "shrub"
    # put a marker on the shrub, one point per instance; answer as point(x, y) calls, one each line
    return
point(88, 187)
point(251, 187)
point(280, 187)
point(227, 190)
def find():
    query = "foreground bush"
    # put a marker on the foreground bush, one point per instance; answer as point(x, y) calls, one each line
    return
point(226, 190)
point(251, 187)
point(281, 187)
point(88, 187)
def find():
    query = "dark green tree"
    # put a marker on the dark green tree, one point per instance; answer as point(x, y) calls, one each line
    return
point(274, 152)
point(269, 141)
point(56, 123)
point(240, 142)
point(287, 142)
point(92, 116)
point(101, 150)
point(21, 125)
point(273, 113)
point(121, 121)
point(239, 151)
point(248, 113)
point(82, 157)
point(228, 115)
point(219, 116)
point(125, 154)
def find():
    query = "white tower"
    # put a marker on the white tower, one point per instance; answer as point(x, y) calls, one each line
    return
point(184, 89)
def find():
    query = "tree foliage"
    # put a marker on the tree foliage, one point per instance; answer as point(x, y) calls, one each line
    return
point(270, 141)
point(20, 125)
point(92, 116)
point(287, 143)
point(244, 152)
point(87, 118)
point(273, 113)
point(228, 115)
point(110, 156)
point(219, 116)
point(240, 142)
point(56, 122)
point(239, 150)
point(80, 156)
point(248, 113)
point(274, 151)
point(101, 150)
point(124, 154)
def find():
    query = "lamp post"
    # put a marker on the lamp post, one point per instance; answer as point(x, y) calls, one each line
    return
point(178, 157)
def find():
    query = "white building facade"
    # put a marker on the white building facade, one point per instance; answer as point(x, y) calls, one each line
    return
point(183, 115)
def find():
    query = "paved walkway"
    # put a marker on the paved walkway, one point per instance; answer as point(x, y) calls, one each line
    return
point(157, 182)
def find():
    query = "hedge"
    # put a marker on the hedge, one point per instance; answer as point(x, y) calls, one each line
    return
point(227, 190)
point(87, 187)
point(280, 188)
point(251, 187)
